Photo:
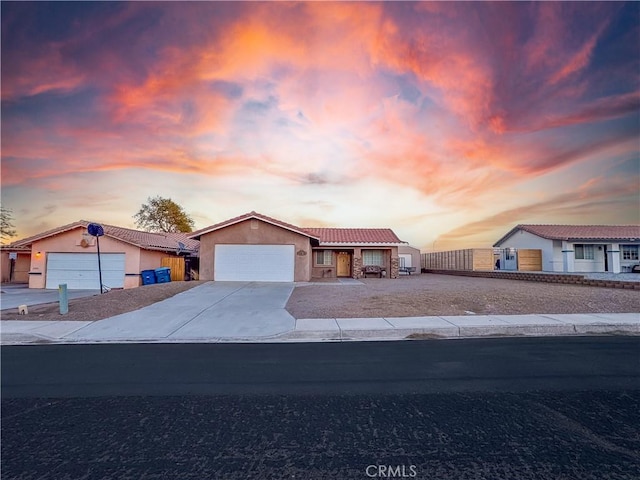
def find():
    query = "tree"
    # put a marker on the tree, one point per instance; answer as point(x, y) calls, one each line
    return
point(163, 215)
point(7, 228)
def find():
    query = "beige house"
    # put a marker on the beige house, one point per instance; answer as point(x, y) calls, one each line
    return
point(68, 254)
point(255, 247)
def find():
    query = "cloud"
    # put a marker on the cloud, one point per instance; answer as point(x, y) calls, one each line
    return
point(591, 201)
point(454, 103)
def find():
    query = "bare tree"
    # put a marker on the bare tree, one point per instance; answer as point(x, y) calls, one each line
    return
point(7, 228)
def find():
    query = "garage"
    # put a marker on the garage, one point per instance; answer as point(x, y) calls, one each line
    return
point(80, 270)
point(254, 263)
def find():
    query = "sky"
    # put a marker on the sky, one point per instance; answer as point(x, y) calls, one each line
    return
point(448, 122)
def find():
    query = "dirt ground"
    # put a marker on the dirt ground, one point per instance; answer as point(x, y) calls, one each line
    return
point(429, 294)
point(408, 296)
point(102, 306)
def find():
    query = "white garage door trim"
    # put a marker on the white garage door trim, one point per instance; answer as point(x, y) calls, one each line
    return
point(254, 263)
point(80, 270)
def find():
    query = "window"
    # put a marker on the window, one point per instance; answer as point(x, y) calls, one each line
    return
point(373, 257)
point(323, 257)
point(583, 252)
point(630, 252)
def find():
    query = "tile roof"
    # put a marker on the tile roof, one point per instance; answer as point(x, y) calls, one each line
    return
point(354, 235)
point(247, 216)
point(578, 232)
point(323, 235)
point(144, 240)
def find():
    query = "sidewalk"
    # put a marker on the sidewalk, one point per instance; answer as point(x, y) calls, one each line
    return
point(332, 330)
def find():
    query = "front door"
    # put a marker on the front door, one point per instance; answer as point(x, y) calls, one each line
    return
point(344, 264)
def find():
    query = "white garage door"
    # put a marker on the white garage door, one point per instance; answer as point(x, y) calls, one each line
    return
point(80, 270)
point(254, 263)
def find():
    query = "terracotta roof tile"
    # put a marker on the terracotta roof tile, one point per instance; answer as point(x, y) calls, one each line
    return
point(578, 232)
point(144, 240)
point(354, 235)
point(324, 235)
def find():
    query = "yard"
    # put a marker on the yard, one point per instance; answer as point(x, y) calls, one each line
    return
point(429, 294)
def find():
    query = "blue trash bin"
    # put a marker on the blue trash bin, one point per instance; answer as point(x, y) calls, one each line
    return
point(163, 274)
point(148, 277)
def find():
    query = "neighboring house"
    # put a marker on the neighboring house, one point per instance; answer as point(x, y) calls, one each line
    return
point(254, 247)
point(68, 254)
point(409, 258)
point(578, 248)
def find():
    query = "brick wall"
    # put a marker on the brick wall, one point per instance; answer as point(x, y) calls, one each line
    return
point(542, 277)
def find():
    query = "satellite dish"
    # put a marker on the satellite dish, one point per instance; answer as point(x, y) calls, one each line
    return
point(95, 230)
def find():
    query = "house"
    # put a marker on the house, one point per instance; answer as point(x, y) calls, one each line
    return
point(578, 248)
point(409, 259)
point(68, 254)
point(255, 247)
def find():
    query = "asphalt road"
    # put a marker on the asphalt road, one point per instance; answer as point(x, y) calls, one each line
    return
point(461, 409)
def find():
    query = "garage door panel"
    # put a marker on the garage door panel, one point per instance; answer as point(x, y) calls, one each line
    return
point(80, 270)
point(254, 263)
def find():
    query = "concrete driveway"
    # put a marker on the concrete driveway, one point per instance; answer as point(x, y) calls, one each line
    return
point(215, 310)
point(15, 295)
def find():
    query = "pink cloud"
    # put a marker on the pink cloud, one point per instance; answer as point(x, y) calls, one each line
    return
point(591, 202)
point(320, 94)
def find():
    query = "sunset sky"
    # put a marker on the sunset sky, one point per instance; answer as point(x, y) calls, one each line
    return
point(448, 122)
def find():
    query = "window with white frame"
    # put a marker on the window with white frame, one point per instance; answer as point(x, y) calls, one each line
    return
point(323, 257)
point(583, 251)
point(630, 252)
point(373, 257)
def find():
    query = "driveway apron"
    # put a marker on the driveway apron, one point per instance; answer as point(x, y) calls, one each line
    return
point(214, 310)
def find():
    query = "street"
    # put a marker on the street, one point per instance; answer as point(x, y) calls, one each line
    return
point(525, 408)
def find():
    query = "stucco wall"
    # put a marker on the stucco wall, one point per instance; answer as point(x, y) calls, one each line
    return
point(255, 232)
point(415, 255)
point(522, 239)
point(69, 242)
point(326, 271)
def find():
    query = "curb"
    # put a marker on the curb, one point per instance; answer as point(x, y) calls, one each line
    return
point(363, 329)
point(463, 332)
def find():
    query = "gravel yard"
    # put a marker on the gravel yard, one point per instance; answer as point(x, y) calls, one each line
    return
point(429, 294)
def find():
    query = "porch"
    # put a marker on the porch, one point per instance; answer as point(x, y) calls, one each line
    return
point(351, 262)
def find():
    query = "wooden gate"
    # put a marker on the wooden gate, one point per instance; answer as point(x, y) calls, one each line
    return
point(176, 264)
point(529, 260)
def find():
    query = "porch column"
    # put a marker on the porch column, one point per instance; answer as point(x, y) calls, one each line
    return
point(613, 258)
point(356, 268)
point(395, 267)
point(568, 257)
